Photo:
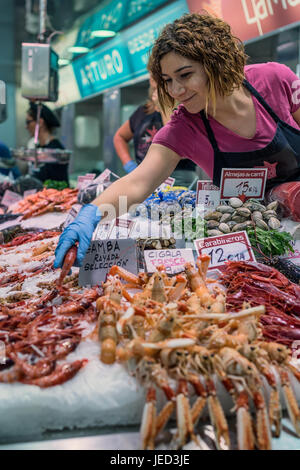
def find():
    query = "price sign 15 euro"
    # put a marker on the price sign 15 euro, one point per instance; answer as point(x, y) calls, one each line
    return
point(229, 247)
point(248, 182)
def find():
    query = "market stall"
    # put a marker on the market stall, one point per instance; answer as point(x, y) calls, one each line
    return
point(168, 337)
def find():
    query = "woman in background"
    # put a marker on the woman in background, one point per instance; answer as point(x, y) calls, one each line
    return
point(47, 124)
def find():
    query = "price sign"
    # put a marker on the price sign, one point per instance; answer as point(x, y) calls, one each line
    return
point(121, 228)
point(102, 255)
point(84, 180)
point(10, 198)
point(168, 182)
point(230, 247)
point(173, 260)
point(247, 182)
point(103, 230)
point(208, 195)
point(104, 177)
point(72, 215)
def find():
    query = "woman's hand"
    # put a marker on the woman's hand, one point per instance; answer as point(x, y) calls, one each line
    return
point(81, 230)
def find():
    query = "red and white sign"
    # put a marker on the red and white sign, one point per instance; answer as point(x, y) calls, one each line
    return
point(229, 247)
point(168, 182)
point(208, 195)
point(121, 228)
point(104, 177)
point(103, 230)
point(248, 182)
point(10, 198)
point(85, 180)
point(250, 18)
point(173, 260)
point(72, 214)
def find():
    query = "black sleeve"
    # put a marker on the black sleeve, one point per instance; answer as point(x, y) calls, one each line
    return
point(54, 144)
point(136, 118)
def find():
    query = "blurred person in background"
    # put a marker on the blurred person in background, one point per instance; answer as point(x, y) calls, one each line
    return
point(48, 123)
point(142, 126)
point(7, 163)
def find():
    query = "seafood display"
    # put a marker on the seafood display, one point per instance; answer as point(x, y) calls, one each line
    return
point(47, 200)
point(236, 216)
point(259, 284)
point(176, 337)
point(190, 342)
point(40, 328)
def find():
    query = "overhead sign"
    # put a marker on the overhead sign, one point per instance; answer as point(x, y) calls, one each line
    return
point(251, 18)
point(125, 57)
point(117, 15)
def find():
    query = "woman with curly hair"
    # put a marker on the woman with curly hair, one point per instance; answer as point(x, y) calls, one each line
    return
point(229, 115)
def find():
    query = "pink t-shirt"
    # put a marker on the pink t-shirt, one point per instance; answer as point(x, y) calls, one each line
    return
point(186, 135)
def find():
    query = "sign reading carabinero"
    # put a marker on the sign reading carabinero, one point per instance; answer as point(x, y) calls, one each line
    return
point(102, 255)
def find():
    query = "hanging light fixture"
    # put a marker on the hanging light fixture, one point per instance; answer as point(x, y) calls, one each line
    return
point(78, 49)
point(103, 33)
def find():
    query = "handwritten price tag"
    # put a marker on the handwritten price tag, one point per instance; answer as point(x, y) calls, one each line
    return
point(102, 255)
point(10, 198)
point(173, 260)
point(249, 182)
point(103, 230)
point(169, 182)
point(85, 180)
point(72, 214)
point(121, 228)
point(104, 177)
point(208, 195)
point(230, 247)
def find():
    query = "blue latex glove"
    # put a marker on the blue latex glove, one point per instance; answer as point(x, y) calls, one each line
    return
point(130, 166)
point(81, 230)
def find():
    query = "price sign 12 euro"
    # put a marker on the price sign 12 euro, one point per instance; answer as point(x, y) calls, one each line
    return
point(229, 247)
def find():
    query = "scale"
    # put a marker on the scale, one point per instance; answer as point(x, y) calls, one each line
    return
point(40, 83)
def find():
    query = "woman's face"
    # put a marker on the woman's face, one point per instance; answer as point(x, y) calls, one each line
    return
point(30, 124)
point(185, 81)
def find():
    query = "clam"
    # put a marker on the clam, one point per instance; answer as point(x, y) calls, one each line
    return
point(215, 215)
point(255, 206)
point(231, 223)
point(225, 218)
point(212, 224)
point(273, 223)
point(235, 202)
point(242, 226)
point(238, 219)
point(257, 215)
point(272, 206)
point(225, 209)
point(261, 224)
point(269, 213)
point(243, 211)
point(224, 228)
point(214, 233)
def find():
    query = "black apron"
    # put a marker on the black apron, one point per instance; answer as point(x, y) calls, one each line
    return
point(281, 155)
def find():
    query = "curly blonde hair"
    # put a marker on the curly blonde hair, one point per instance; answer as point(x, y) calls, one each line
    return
point(205, 39)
